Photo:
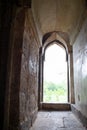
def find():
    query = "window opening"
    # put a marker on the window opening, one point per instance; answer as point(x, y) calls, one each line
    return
point(55, 88)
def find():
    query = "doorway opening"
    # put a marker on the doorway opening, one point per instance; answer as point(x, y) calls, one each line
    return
point(55, 87)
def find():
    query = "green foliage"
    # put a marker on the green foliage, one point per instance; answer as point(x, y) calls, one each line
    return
point(55, 92)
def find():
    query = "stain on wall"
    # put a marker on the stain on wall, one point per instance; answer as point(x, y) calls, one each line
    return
point(80, 69)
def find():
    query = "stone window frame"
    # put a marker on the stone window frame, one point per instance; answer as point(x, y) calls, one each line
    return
point(47, 40)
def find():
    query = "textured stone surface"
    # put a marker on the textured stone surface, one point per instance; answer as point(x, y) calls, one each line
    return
point(80, 71)
point(29, 75)
point(57, 121)
point(22, 95)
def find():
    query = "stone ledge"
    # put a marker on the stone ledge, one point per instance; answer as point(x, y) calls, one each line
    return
point(79, 115)
point(55, 106)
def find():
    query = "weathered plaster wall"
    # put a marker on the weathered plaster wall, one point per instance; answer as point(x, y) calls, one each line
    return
point(80, 70)
point(29, 74)
point(63, 15)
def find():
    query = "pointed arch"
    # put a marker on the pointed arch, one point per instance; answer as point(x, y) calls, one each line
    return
point(54, 69)
point(62, 39)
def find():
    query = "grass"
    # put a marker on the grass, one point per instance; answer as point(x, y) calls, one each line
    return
point(55, 92)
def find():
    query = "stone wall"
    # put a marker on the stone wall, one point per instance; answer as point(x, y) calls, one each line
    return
point(29, 74)
point(80, 70)
point(21, 98)
point(12, 108)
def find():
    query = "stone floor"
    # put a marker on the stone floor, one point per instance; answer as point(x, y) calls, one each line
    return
point(57, 121)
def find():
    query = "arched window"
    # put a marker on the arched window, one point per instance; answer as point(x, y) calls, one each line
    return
point(55, 87)
point(56, 90)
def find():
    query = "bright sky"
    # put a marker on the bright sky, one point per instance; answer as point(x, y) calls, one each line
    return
point(55, 64)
